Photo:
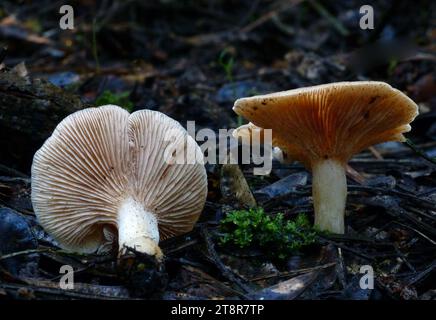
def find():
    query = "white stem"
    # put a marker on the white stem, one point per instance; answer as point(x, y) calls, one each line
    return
point(137, 228)
point(329, 191)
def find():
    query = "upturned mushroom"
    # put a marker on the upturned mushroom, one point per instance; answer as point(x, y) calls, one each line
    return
point(324, 126)
point(104, 178)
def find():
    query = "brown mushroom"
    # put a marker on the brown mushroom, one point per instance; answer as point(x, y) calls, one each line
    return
point(324, 126)
point(103, 176)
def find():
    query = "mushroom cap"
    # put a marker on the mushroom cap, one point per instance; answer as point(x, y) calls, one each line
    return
point(98, 157)
point(249, 132)
point(331, 121)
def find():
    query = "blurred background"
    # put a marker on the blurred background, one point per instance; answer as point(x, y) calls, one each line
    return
point(192, 59)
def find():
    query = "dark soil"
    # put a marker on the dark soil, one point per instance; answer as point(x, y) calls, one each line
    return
point(191, 60)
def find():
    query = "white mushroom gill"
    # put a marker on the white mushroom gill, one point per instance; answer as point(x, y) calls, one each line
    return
point(103, 173)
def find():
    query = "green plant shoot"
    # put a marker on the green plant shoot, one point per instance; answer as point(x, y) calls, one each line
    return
point(120, 99)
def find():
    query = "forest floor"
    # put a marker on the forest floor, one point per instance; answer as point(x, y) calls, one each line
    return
point(191, 62)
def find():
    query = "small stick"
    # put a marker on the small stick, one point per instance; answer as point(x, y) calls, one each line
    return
point(343, 31)
point(356, 252)
point(224, 269)
point(19, 253)
point(423, 274)
point(355, 175)
point(419, 152)
point(341, 269)
point(294, 272)
point(403, 258)
point(269, 15)
point(61, 292)
point(417, 231)
point(376, 153)
point(3, 53)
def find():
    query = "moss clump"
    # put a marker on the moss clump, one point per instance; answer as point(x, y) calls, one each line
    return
point(120, 99)
point(274, 235)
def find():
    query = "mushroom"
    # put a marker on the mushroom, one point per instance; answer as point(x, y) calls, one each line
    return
point(324, 126)
point(255, 135)
point(104, 176)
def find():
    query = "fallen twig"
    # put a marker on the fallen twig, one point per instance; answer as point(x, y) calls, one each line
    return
point(419, 152)
point(343, 31)
point(227, 272)
point(294, 272)
point(423, 274)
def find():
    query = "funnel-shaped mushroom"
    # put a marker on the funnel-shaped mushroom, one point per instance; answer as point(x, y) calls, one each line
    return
point(104, 175)
point(324, 126)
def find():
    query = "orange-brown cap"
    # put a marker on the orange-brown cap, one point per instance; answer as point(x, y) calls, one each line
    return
point(331, 121)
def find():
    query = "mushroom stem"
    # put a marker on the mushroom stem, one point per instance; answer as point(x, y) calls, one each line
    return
point(138, 229)
point(329, 191)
